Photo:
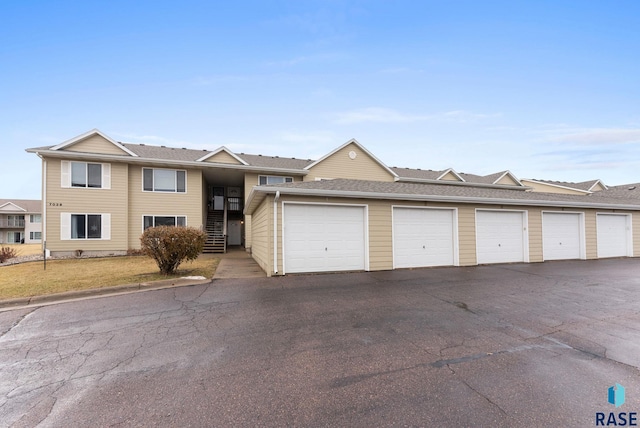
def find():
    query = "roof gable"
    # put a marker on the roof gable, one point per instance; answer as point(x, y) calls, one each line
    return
point(223, 155)
point(94, 141)
point(450, 175)
point(10, 206)
point(597, 186)
point(351, 160)
point(508, 179)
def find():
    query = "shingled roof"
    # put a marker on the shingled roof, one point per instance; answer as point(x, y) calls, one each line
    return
point(443, 192)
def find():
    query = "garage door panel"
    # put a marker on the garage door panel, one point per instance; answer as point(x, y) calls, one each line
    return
point(613, 235)
point(322, 238)
point(500, 237)
point(562, 236)
point(423, 237)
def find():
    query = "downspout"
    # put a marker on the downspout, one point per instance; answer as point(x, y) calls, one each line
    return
point(44, 202)
point(275, 232)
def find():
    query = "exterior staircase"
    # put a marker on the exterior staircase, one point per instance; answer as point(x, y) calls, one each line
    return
point(216, 240)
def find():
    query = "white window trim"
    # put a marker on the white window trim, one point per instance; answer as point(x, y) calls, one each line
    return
point(186, 220)
point(65, 176)
point(65, 227)
point(186, 179)
point(278, 176)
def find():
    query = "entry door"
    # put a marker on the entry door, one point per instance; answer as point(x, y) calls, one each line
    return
point(500, 236)
point(234, 232)
point(324, 238)
point(562, 236)
point(423, 237)
point(614, 235)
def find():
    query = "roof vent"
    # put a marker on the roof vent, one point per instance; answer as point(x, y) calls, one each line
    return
point(184, 148)
point(164, 147)
point(632, 188)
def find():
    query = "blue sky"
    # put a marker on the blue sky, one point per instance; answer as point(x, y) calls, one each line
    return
point(546, 89)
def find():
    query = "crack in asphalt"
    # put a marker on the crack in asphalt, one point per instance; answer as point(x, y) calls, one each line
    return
point(17, 322)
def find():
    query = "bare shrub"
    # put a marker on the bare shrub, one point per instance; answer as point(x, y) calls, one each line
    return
point(7, 253)
point(170, 245)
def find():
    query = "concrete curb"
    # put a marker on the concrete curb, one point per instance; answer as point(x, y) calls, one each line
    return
point(98, 292)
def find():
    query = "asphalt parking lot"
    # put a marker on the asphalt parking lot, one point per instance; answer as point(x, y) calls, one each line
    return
point(504, 345)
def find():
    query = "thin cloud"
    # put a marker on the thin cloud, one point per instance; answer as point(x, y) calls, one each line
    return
point(598, 136)
point(307, 59)
point(384, 115)
point(316, 138)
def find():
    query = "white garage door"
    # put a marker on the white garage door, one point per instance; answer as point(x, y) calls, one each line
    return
point(423, 237)
point(323, 238)
point(613, 235)
point(562, 236)
point(500, 236)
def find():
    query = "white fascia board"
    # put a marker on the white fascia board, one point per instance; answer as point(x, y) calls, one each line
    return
point(586, 192)
point(89, 134)
point(361, 147)
point(598, 182)
point(513, 177)
point(163, 162)
point(452, 171)
point(437, 198)
point(222, 149)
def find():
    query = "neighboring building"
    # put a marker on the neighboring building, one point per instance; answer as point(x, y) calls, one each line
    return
point(20, 221)
point(344, 211)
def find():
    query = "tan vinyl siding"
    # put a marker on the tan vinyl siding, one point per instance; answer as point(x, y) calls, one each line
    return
point(223, 157)
point(340, 165)
point(250, 180)
point(540, 187)
point(507, 180)
point(635, 233)
point(262, 231)
point(449, 176)
point(590, 234)
point(87, 201)
point(535, 234)
point(142, 203)
point(597, 187)
point(467, 235)
point(96, 144)
point(380, 236)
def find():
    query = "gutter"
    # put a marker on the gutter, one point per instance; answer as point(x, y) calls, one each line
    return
point(430, 198)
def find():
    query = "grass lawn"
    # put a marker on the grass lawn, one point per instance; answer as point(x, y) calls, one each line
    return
point(25, 249)
point(30, 279)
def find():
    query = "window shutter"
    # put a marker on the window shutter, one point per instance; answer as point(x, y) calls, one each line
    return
point(106, 226)
point(106, 176)
point(65, 226)
point(65, 174)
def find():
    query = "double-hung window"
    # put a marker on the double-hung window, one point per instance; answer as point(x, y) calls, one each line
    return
point(88, 175)
point(163, 220)
point(85, 226)
point(274, 179)
point(35, 236)
point(164, 180)
point(35, 218)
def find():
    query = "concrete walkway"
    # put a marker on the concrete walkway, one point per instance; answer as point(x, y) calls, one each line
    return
point(237, 263)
